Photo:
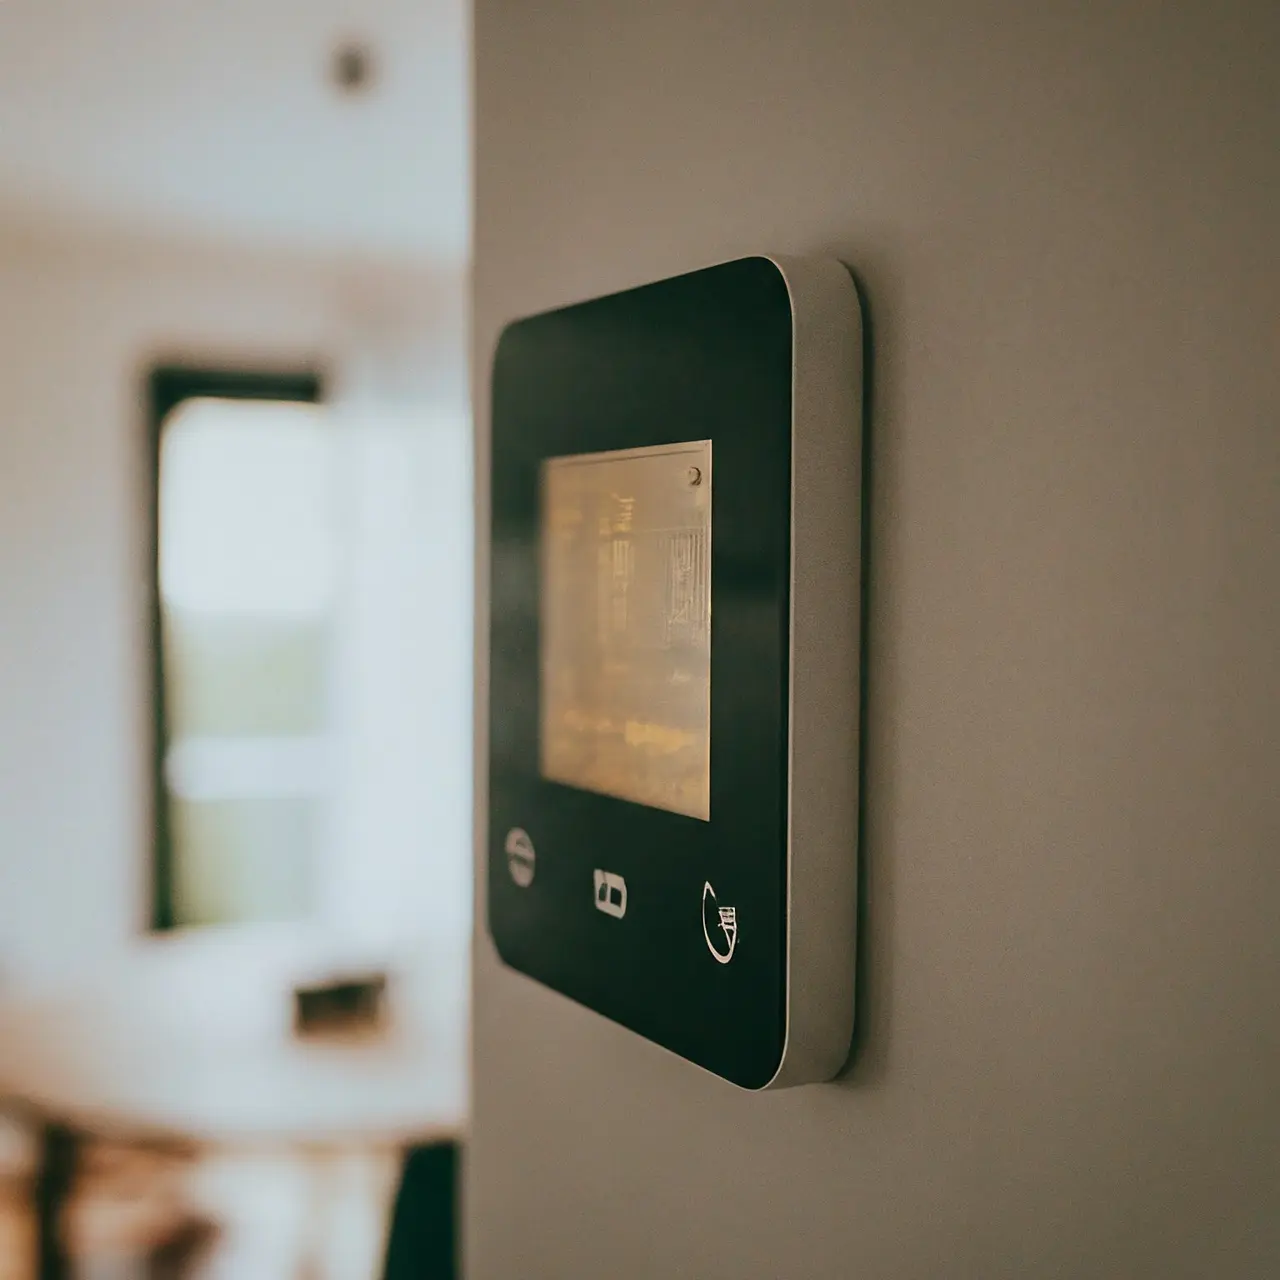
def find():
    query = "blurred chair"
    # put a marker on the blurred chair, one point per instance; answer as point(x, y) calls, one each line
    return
point(127, 1205)
point(19, 1223)
point(423, 1240)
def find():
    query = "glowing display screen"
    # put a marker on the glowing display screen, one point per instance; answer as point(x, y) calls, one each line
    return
point(626, 625)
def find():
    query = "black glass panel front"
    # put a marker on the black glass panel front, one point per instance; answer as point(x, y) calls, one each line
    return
point(604, 899)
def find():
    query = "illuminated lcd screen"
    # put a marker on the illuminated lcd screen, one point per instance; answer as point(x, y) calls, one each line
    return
point(626, 625)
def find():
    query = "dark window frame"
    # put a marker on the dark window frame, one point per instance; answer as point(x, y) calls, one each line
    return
point(169, 386)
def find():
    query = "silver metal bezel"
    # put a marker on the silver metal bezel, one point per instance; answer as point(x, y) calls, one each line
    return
point(824, 670)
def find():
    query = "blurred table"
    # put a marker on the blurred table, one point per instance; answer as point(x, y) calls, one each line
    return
point(197, 1043)
point(291, 1148)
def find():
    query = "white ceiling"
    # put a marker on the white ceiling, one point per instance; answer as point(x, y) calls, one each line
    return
point(221, 120)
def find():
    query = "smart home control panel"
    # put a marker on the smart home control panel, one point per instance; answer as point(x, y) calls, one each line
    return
point(675, 580)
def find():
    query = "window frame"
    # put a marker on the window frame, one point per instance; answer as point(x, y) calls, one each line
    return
point(169, 385)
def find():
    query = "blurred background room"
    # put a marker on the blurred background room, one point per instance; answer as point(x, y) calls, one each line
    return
point(235, 637)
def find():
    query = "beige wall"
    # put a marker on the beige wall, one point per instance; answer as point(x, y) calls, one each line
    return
point(1065, 217)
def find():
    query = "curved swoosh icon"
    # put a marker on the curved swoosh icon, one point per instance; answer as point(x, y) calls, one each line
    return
point(726, 923)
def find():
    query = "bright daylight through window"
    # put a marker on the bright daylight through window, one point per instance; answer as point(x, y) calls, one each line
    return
point(247, 570)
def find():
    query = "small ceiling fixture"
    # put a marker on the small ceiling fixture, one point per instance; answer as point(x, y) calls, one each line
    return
point(353, 67)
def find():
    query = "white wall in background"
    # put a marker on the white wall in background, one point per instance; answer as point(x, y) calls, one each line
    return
point(220, 119)
point(403, 679)
point(79, 323)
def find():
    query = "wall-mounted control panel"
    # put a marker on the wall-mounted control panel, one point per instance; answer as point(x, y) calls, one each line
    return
point(675, 582)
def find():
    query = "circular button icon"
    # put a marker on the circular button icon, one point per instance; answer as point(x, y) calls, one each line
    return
point(521, 858)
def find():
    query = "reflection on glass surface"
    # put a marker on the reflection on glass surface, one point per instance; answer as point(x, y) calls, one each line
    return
point(626, 625)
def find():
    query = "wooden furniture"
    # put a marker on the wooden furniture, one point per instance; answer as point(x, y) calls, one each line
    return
point(19, 1169)
point(197, 1045)
point(185, 1083)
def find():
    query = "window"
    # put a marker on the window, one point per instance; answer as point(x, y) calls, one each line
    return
point(245, 570)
